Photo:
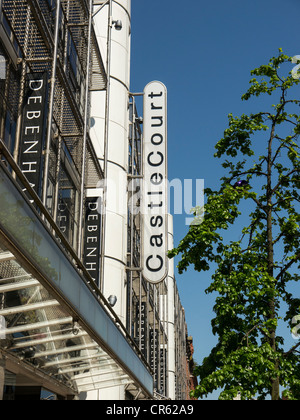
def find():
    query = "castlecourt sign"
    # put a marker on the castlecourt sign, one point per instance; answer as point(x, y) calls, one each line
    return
point(154, 191)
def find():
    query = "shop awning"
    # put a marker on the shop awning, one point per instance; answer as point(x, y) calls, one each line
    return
point(49, 316)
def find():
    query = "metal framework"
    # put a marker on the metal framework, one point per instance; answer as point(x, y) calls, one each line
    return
point(38, 331)
point(55, 37)
point(182, 373)
point(146, 308)
point(40, 328)
point(146, 303)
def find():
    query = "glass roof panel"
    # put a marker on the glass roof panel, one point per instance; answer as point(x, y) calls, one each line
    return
point(42, 291)
point(35, 328)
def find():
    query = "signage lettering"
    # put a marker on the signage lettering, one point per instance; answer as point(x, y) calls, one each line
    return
point(33, 128)
point(163, 370)
point(92, 241)
point(142, 329)
point(154, 353)
point(154, 197)
point(63, 217)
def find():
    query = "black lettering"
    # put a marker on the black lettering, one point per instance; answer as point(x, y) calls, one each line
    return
point(156, 163)
point(155, 193)
point(153, 205)
point(160, 123)
point(157, 240)
point(154, 95)
point(157, 142)
point(156, 221)
point(154, 179)
point(153, 107)
point(154, 269)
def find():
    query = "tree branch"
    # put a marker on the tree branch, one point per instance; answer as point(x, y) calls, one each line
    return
point(292, 349)
point(286, 176)
point(282, 145)
point(258, 326)
point(287, 266)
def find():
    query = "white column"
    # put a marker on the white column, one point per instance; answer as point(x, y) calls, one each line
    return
point(115, 239)
point(115, 163)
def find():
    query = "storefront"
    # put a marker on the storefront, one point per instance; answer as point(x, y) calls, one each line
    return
point(57, 333)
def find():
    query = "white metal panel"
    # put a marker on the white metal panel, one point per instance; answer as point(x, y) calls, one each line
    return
point(113, 273)
point(115, 237)
point(118, 109)
point(119, 66)
point(116, 191)
point(171, 317)
point(118, 150)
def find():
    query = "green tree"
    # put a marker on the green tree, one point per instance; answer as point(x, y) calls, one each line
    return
point(253, 273)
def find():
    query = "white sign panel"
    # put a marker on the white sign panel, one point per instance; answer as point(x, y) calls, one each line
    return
point(2, 328)
point(154, 196)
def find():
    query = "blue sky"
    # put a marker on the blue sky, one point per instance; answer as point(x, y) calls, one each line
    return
point(203, 52)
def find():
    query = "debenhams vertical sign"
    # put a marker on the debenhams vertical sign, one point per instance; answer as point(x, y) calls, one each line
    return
point(154, 202)
point(33, 134)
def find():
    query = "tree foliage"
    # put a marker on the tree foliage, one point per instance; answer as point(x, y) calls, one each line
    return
point(254, 272)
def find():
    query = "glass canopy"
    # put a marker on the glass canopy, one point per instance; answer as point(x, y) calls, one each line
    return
point(49, 317)
point(35, 328)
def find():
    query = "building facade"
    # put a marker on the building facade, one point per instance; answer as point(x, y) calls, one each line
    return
point(78, 320)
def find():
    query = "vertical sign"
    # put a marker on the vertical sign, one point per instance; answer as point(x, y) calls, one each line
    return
point(143, 330)
point(33, 129)
point(92, 238)
point(2, 328)
point(163, 370)
point(63, 217)
point(154, 354)
point(154, 196)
